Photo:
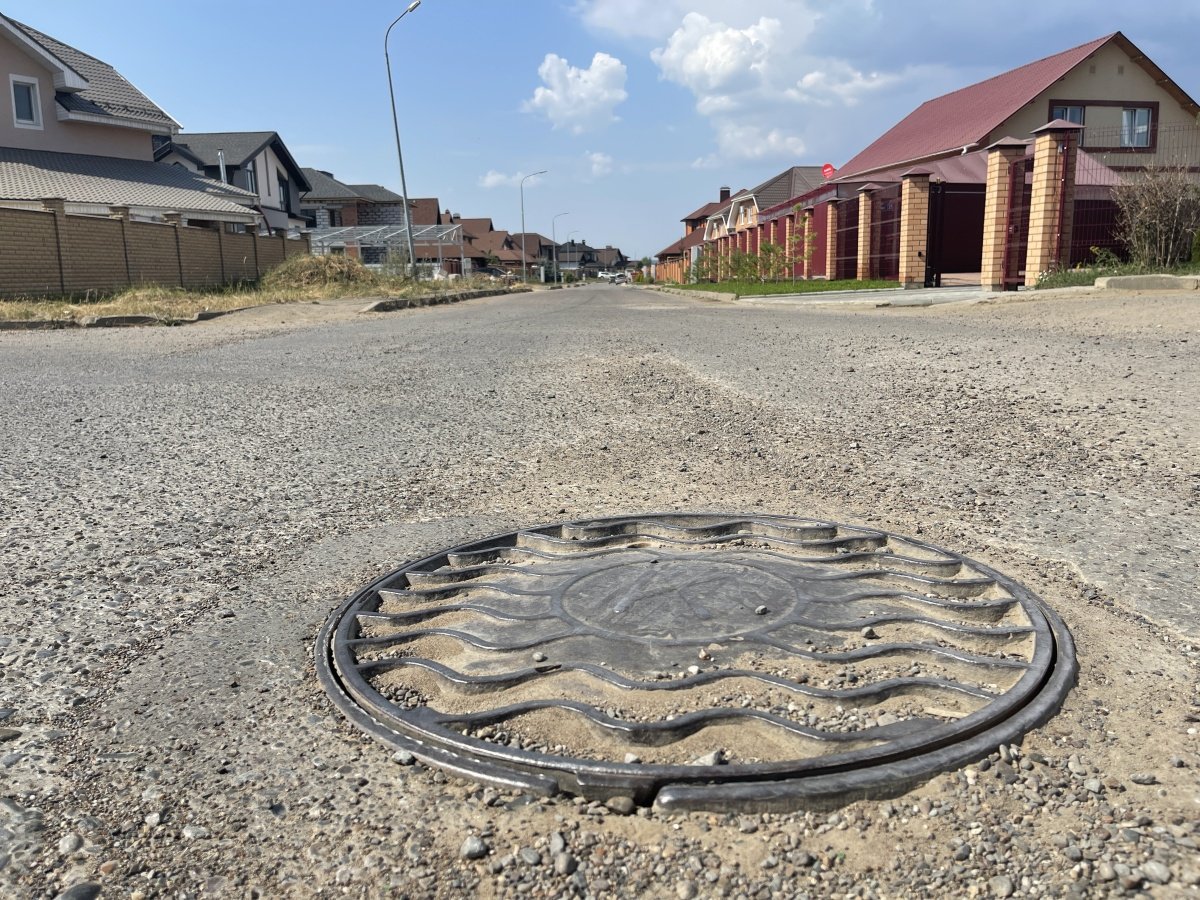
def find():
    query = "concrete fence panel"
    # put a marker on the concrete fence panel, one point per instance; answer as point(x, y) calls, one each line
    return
point(200, 257)
point(93, 254)
point(48, 253)
point(270, 253)
point(153, 257)
point(28, 253)
point(238, 257)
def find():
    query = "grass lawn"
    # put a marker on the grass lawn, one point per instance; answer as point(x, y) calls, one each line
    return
point(758, 288)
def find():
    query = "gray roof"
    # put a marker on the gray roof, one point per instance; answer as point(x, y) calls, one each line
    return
point(326, 187)
point(240, 147)
point(108, 94)
point(786, 185)
point(376, 193)
point(76, 178)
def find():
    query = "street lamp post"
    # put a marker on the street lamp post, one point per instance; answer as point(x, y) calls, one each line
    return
point(524, 276)
point(554, 240)
point(412, 250)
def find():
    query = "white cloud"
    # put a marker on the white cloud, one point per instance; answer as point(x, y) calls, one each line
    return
point(601, 163)
point(755, 69)
point(579, 99)
point(709, 58)
point(494, 179)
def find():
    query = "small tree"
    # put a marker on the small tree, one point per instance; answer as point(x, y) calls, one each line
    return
point(705, 266)
point(772, 261)
point(1158, 216)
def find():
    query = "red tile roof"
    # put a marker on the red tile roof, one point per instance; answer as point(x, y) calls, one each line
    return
point(684, 243)
point(967, 116)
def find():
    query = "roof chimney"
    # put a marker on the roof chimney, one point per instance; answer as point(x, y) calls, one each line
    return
point(724, 194)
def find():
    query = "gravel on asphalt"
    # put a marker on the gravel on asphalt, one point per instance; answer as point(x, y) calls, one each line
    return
point(184, 507)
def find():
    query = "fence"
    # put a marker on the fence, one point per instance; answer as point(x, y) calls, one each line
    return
point(1110, 158)
point(49, 253)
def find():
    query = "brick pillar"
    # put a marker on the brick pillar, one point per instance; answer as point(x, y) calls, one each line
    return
point(914, 227)
point(865, 208)
point(831, 228)
point(1001, 156)
point(1050, 207)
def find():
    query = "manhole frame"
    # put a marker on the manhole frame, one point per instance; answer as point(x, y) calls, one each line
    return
point(873, 772)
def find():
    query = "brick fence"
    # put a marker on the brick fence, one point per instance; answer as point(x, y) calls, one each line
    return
point(49, 252)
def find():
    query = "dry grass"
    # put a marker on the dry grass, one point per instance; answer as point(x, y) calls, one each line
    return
point(299, 280)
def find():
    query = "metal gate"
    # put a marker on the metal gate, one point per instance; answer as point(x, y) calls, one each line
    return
point(885, 234)
point(844, 265)
point(1016, 228)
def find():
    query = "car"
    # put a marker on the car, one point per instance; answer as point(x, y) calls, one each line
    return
point(620, 278)
point(488, 272)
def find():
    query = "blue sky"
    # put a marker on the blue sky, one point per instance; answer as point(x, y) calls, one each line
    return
point(639, 109)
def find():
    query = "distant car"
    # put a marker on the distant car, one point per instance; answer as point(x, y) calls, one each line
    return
point(620, 278)
point(489, 272)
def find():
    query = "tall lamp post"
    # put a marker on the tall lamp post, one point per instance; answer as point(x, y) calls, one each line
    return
point(524, 276)
point(412, 250)
point(554, 240)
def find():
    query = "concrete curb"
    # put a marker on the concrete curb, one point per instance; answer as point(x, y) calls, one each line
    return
point(683, 292)
point(1149, 283)
point(396, 303)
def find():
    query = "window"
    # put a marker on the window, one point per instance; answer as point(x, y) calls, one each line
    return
point(285, 197)
point(1070, 113)
point(1135, 127)
point(27, 110)
point(252, 177)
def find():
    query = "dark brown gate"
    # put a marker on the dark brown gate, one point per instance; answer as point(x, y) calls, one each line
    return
point(845, 255)
point(885, 234)
point(1016, 242)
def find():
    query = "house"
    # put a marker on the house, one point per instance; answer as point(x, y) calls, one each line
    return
point(675, 261)
point(255, 161)
point(740, 227)
point(1110, 87)
point(611, 259)
point(538, 248)
point(578, 259)
point(75, 132)
point(1108, 106)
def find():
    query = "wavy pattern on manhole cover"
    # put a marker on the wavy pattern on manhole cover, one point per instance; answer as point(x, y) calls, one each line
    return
point(697, 661)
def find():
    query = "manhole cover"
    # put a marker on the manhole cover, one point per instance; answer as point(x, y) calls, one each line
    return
point(697, 661)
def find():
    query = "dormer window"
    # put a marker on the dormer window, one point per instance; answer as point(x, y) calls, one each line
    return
point(27, 107)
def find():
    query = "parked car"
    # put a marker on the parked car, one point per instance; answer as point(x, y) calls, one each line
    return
point(492, 271)
point(620, 278)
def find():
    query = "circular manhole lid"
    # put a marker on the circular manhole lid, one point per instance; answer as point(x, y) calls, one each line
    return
point(697, 661)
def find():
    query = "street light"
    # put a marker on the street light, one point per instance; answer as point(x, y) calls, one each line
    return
point(412, 250)
point(554, 240)
point(524, 276)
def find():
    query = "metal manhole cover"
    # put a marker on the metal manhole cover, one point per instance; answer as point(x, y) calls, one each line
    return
point(697, 661)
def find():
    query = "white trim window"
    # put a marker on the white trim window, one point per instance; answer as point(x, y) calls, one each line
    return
point(1135, 127)
point(27, 103)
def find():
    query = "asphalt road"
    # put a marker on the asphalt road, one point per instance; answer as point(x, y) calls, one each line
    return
point(183, 507)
